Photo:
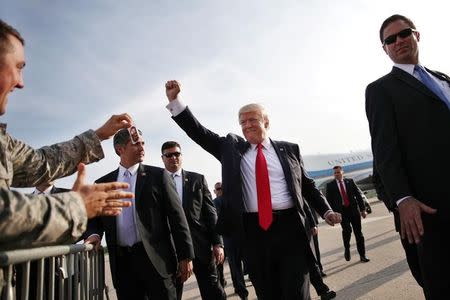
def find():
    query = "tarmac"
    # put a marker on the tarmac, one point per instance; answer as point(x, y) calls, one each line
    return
point(385, 277)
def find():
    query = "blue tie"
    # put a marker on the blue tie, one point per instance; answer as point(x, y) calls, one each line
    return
point(430, 83)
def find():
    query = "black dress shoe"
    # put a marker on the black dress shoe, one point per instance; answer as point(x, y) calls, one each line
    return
point(323, 274)
point(328, 295)
point(347, 254)
point(364, 259)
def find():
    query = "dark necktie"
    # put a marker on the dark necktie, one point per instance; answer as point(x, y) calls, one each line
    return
point(430, 83)
point(263, 190)
point(344, 194)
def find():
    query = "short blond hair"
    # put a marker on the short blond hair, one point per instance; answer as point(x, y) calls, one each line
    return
point(253, 107)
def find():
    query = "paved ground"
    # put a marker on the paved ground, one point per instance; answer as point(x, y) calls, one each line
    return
point(385, 277)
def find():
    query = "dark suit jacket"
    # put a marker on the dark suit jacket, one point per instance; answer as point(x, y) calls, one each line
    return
point(410, 129)
point(229, 150)
point(200, 214)
point(161, 221)
point(57, 190)
point(354, 195)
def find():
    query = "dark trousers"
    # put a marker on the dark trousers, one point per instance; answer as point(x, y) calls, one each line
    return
point(352, 219)
point(277, 258)
point(137, 278)
point(434, 256)
point(207, 280)
point(317, 251)
point(220, 274)
point(234, 251)
point(411, 253)
point(316, 278)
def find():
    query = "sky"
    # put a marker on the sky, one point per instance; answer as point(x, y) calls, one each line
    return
point(307, 62)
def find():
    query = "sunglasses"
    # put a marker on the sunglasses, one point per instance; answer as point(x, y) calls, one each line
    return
point(169, 155)
point(393, 38)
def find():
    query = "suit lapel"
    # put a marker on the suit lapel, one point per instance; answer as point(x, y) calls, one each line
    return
point(186, 182)
point(281, 151)
point(414, 82)
point(243, 147)
point(141, 178)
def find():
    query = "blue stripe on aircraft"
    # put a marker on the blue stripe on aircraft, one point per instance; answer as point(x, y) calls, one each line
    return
point(347, 169)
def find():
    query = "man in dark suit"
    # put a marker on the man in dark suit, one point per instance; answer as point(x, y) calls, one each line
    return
point(345, 197)
point(409, 116)
point(141, 242)
point(233, 250)
point(202, 217)
point(263, 187)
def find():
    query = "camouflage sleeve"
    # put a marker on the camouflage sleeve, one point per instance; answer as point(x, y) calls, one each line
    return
point(40, 220)
point(33, 166)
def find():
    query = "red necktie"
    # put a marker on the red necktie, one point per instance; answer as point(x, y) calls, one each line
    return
point(263, 190)
point(344, 194)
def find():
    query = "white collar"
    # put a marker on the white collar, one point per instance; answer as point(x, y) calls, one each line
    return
point(178, 173)
point(266, 144)
point(408, 68)
point(46, 191)
point(133, 169)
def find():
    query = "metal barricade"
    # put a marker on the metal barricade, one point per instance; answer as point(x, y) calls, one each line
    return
point(55, 272)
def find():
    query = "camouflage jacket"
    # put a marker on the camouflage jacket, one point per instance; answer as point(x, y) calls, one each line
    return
point(34, 220)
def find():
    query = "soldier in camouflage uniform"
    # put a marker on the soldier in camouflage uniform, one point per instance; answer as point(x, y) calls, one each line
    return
point(28, 220)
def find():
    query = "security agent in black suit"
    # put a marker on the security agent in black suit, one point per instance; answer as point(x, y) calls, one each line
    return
point(233, 250)
point(277, 256)
point(202, 217)
point(351, 212)
point(409, 126)
point(156, 247)
point(315, 272)
point(410, 249)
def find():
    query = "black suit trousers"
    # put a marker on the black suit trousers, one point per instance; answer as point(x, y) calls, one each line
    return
point(277, 258)
point(434, 258)
point(207, 280)
point(352, 219)
point(138, 279)
point(234, 253)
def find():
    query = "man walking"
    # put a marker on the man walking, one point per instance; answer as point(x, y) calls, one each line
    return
point(345, 197)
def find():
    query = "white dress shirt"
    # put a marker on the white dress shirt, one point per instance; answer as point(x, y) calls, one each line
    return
point(279, 193)
point(178, 179)
point(121, 220)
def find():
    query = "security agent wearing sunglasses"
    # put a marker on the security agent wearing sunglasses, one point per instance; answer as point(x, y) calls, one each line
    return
point(409, 116)
point(201, 216)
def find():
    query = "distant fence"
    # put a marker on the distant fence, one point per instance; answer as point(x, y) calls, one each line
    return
point(56, 272)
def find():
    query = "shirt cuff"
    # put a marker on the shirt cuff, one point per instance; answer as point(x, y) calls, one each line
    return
point(176, 107)
point(401, 200)
point(327, 213)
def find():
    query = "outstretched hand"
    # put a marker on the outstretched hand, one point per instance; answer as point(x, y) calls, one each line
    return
point(104, 199)
point(115, 123)
point(172, 89)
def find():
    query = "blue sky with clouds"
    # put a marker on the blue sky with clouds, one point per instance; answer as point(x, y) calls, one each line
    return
point(308, 62)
